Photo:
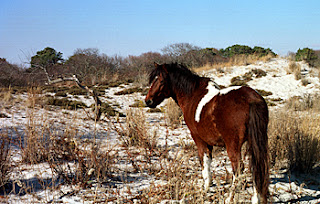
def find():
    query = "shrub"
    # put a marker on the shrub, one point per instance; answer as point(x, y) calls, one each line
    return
point(138, 104)
point(263, 92)
point(246, 50)
point(237, 81)
point(108, 110)
point(54, 89)
point(305, 82)
point(154, 110)
point(236, 50)
point(247, 76)
point(307, 55)
point(242, 80)
point(261, 52)
point(77, 91)
point(129, 91)
point(61, 94)
point(12, 75)
point(259, 72)
point(65, 103)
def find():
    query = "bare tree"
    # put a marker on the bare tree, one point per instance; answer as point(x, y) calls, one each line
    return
point(11, 75)
point(97, 110)
point(179, 49)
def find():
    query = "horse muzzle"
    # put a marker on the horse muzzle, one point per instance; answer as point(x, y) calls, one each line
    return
point(150, 103)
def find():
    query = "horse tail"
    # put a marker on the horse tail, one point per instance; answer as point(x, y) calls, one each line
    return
point(258, 147)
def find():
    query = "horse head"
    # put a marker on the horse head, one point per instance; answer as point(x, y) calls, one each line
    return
point(160, 86)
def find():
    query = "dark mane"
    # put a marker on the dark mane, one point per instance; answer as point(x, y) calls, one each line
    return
point(180, 78)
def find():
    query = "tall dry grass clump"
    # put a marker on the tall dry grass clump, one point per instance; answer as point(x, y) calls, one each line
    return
point(6, 95)
point(294, 140)
point(34, 141)
point(173, 114)
point(35, 97)
point(136, 132)
point(306, 103)
point(5, 164)
point(294, 68)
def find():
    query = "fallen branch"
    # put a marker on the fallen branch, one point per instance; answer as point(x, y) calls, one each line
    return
point(97, 104)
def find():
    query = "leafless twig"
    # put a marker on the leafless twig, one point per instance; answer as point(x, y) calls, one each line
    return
point(97, 111)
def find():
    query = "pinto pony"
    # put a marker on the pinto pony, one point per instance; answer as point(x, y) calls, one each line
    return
point(217, 117)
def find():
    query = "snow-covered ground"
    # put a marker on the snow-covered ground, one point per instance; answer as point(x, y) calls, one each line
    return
point(126, 183)
point(281, 84)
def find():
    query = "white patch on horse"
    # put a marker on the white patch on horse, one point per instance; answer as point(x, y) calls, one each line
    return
point(256, 197)
point(227, 90)
point(206, 171)
point(212, 92)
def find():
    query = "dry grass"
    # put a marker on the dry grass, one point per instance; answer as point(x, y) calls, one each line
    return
point(43, 142)
point(295, 136)
point(5, 163)
point(307, 102)
point(173, 114)
point(182, 180)
point(294, 140)
point(294, 68)
point(35, 97)
point(136, 132)
point(237, 60)
point(6, 95)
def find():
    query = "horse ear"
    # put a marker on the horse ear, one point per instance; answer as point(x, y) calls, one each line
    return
point(155, 64)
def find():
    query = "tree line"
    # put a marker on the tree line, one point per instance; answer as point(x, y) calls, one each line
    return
point(92, 67)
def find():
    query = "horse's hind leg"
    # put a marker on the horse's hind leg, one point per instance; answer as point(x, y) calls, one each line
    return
point(205, 156)
point(234, 153)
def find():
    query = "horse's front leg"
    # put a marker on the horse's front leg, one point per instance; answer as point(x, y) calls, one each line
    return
point(205, 156)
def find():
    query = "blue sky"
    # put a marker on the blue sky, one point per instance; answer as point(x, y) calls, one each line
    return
point(129, 27)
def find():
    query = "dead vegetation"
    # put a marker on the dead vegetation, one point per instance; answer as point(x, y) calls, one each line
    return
point(294, 141)
point(248, 76)
point(81, 162)
point(236, 60)
point(173, 114)
point(5, 160)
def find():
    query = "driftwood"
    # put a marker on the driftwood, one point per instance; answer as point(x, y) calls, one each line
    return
point(97, 104)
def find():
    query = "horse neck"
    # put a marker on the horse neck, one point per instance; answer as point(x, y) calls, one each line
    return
point(184, 100)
